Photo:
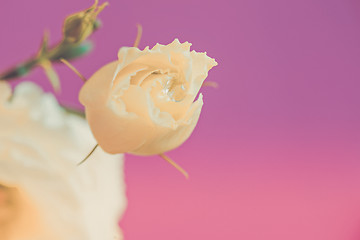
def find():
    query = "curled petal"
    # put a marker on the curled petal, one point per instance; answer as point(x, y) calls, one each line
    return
point(165, 139)
point(201, 65)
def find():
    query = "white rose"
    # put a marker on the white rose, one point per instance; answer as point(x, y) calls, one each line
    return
point(43, 193)
point(144, 103)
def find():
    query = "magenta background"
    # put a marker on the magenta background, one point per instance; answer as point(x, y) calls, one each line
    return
point(276, 153)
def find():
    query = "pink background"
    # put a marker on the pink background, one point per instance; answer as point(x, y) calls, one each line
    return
point(276, 152)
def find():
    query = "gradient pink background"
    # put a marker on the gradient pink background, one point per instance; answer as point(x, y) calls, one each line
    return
point(276, 153)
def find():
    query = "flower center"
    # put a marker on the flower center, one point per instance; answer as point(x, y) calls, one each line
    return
point(173, 86)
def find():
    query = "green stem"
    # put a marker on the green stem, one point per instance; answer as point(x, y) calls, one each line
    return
point(19, 70)
point(64, 50)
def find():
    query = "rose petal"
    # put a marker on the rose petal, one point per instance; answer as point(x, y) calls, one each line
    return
point(95, 91)
point(111, 124)
point(165, 139)
point(201, 64)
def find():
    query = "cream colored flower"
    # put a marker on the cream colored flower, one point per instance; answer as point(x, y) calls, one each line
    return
point(43, 194)
point(144, 103)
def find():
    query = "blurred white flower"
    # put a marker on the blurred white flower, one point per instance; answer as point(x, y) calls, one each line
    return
point(43, 194)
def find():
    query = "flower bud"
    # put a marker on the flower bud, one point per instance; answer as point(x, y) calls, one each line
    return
point(80, 25)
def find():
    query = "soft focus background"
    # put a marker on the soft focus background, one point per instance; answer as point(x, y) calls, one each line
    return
point(276, 153)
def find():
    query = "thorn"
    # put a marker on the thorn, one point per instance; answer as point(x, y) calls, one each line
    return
point(138, 36)
point(90, 153)
point(174, 164)
point(69, 65)
point(210, 84)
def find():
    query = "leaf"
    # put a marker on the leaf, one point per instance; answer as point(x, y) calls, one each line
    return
point(44, 44)
point(51, 74)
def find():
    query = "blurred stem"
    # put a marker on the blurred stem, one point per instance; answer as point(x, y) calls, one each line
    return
point(19, 70)
point(62, 50)
point(75, 111)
